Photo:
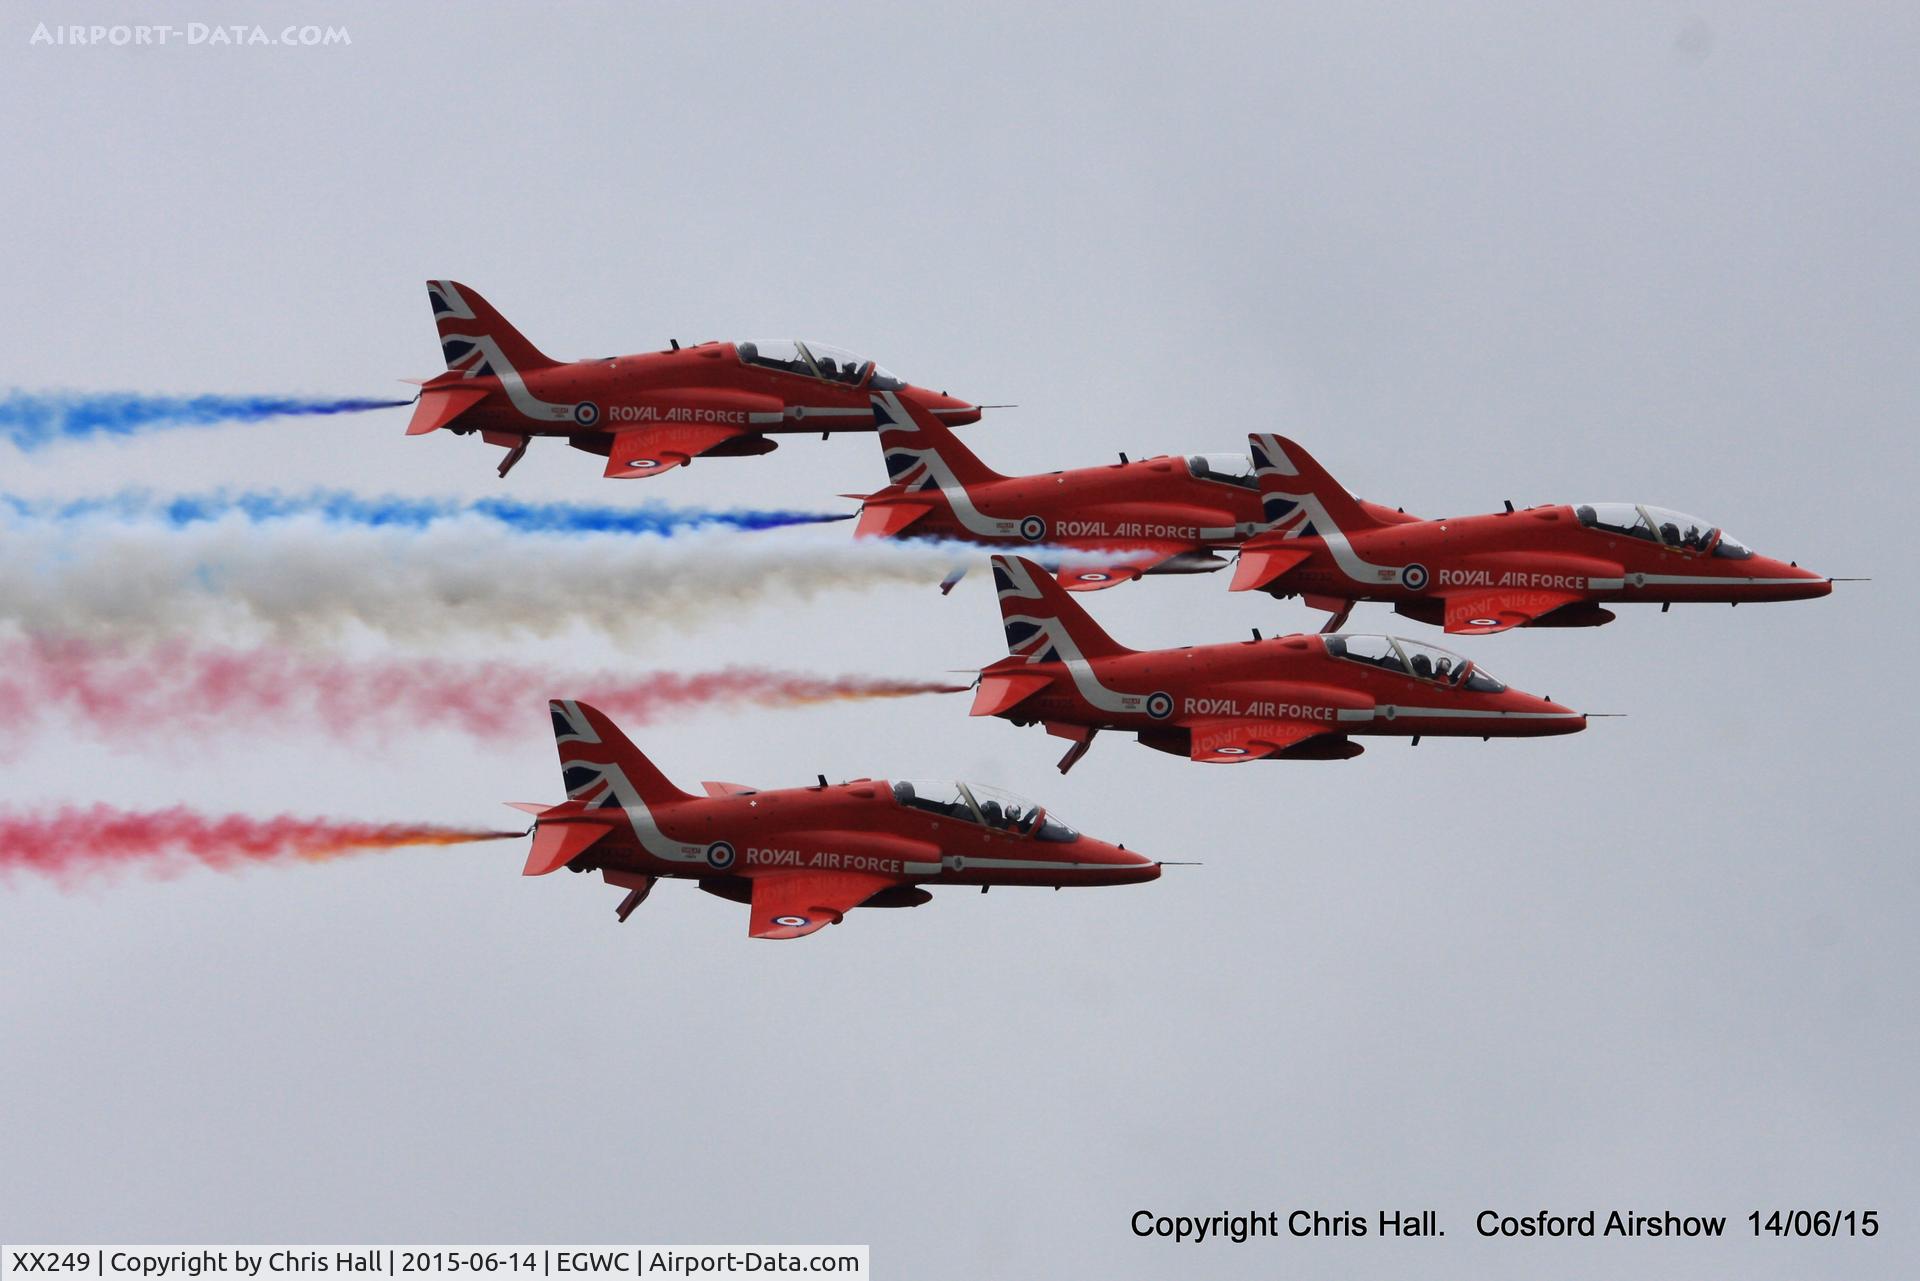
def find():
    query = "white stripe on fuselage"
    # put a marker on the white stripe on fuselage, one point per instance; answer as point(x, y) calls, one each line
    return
point(1054, 635)
point(805, 414)
point(1386, 711)
point(971, 518)
point(640, 818)
point(511, 382)
point(1351, 562)
point(968, 862)
point(1691, 580)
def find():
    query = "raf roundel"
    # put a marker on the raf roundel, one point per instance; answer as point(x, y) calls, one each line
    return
point(1231, 751)
point(1033, 529)
point(586, 413)
point(791, 922)
point(1160, 706)
point(720, 856)
point(1413, 577)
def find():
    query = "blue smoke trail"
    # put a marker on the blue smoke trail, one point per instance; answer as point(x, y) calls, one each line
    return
point(392, 512)
point(32, 419)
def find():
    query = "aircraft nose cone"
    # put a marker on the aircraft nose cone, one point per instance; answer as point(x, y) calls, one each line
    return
point(1812, 585)
point(951, 410)
point(1127, 866)
point(1790, 582)
point(1545, 715)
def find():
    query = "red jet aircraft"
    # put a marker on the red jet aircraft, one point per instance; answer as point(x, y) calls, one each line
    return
point(1290, 697)
point(647, 413)
point(1155, 516)
point(801, 856)
point(1541, 567)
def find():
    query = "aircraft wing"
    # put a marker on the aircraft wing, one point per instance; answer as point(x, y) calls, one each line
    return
point(1119, 567)
point(1223, 741)
point(1491, 610)
point(787, 905)
point(648, 451)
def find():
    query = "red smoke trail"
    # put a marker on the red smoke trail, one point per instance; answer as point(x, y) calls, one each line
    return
point(67, 842)
point(180, 689)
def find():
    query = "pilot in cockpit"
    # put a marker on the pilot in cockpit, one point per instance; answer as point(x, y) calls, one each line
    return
point(1659, 525)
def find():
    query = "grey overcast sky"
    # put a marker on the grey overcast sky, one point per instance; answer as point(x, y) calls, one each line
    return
point(1664, 252)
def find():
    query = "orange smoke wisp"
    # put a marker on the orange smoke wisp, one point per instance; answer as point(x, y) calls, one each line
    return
point(646, 699)
point(70, 841)
point(178, 689)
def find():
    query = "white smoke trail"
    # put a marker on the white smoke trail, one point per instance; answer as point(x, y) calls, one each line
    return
point(298, 580)
point(306, 579)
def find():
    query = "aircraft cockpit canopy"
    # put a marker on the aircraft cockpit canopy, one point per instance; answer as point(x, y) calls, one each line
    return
point(836, 364)
point(1228, 469)
point(978, 803)
point(1412, 658)
point(815, 360)
point(1661, 525)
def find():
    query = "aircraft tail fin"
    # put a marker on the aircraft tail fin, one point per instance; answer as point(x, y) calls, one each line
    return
point(1299, 496)
point(600, 767)
point(476, 340)
point(921, 451)
point(1042, 619)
